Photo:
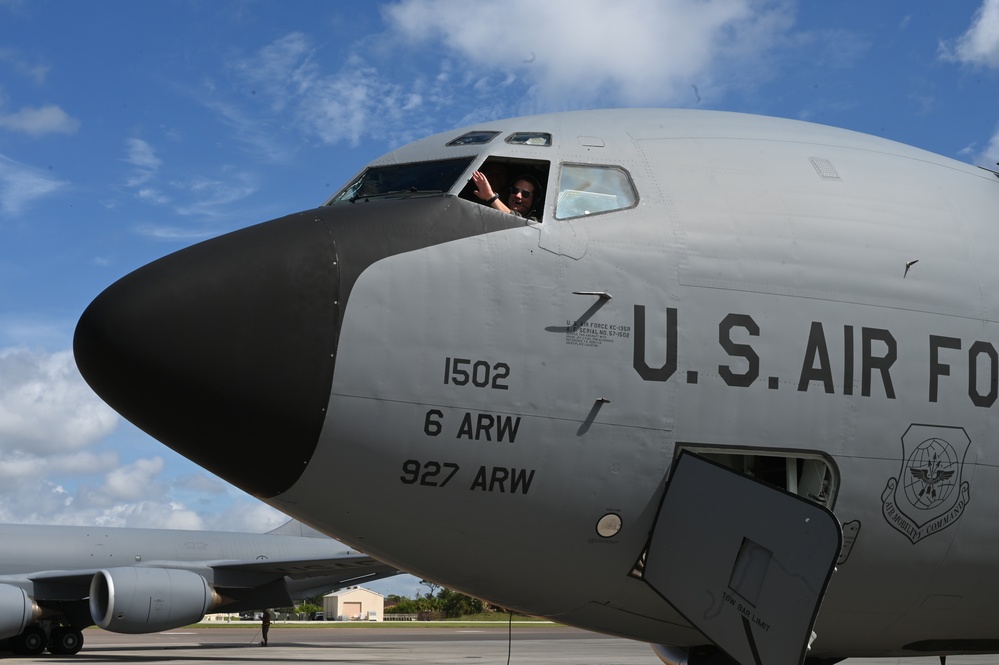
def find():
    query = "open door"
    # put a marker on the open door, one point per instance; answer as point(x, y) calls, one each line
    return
point(747, 564)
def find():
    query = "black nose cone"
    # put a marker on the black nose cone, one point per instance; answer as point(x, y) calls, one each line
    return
point(224, 351)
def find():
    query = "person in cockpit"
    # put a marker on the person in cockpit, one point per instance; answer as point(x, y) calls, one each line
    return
point(522, 199)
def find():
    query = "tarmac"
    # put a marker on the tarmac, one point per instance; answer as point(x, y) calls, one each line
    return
point(544, 644)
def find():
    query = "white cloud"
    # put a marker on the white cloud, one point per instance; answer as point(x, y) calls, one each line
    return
point(46, 408)
point(637, 51)
point(141, 155)
point(173, 233)
point(555, 55)
point(152, 195)
point(134, 481)
point(199, 195)
point(342, 106)
point(353, 103)
point(990, 156)
point(19, 64)
point(39, 121)
point(246, 517)
point(133, 495)
point(212, 195)
point(202, 484)
point(157, 514)
point(22, 470)
point(252, 131)
point(980, 44)
point(283, 69)
point(21, 185)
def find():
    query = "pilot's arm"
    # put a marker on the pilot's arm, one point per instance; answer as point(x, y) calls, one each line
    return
point(485, 192)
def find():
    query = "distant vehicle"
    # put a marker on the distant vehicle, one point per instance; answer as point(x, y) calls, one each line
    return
point(57, 580)
point(319, 616)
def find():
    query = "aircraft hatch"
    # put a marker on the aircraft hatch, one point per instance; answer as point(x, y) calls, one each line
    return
point(745, 563)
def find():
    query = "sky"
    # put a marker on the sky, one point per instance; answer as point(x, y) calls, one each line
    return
point(129, 130)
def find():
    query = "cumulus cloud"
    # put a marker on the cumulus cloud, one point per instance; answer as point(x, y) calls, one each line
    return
point(21, 471)
point(246, 517)
point(20, 185)
point(980, 44)
point(640, 51)
point(134, 481)
point(48, 119)
point(54, 470)
point(46, 408)
point(150, 514)
point(138, 494)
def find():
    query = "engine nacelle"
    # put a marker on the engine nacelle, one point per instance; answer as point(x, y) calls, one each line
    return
point(147, 600)
point(670, 655)
point(704, 654)
point(17, 610)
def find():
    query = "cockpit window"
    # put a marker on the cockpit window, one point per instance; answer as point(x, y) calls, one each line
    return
point(530, 138)
point(474, 138)
point(588, 189)
point(401, 180)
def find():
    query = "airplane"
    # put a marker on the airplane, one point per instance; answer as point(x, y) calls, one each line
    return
point(57, 580)
point(730, 389)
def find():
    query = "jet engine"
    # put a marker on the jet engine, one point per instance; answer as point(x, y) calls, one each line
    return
point(147, 600)
point(17, 610)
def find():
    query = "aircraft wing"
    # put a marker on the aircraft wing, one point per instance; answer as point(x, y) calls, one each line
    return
point(55, 585)
point(148, 580)
point(342, 570)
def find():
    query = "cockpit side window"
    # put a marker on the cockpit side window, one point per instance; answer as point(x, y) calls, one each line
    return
point(401, 180)
point(588, 189)
point(502, 172)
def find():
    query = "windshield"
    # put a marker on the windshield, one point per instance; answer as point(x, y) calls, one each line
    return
point(404, 180)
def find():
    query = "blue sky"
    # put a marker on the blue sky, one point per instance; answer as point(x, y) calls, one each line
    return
point(129, 130)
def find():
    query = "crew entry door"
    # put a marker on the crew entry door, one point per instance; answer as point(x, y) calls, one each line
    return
point(744, 562)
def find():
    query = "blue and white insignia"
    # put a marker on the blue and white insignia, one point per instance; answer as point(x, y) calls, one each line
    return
point(929, 494)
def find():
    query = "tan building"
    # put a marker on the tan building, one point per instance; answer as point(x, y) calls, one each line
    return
point(354, 604)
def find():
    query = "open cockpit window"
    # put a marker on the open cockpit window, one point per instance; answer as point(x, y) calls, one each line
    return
point(403, 180)
point(530, 138)
point(588, 189)
point(809, 475)
point(503, 173)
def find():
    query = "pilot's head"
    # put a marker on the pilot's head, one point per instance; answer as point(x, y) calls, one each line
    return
point(523, 194)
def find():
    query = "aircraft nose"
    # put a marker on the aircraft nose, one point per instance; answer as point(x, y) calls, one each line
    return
point(225, 350)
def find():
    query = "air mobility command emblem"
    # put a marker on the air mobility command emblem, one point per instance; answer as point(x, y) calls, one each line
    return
point(929, 494)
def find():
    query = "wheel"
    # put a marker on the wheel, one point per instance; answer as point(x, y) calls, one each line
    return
point(65, 641)
point(31, 642)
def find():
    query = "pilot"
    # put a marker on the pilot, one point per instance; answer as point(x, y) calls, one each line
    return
point(522, 199)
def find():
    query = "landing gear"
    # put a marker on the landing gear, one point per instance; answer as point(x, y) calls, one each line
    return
point(65, 641)
point(31, 642)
